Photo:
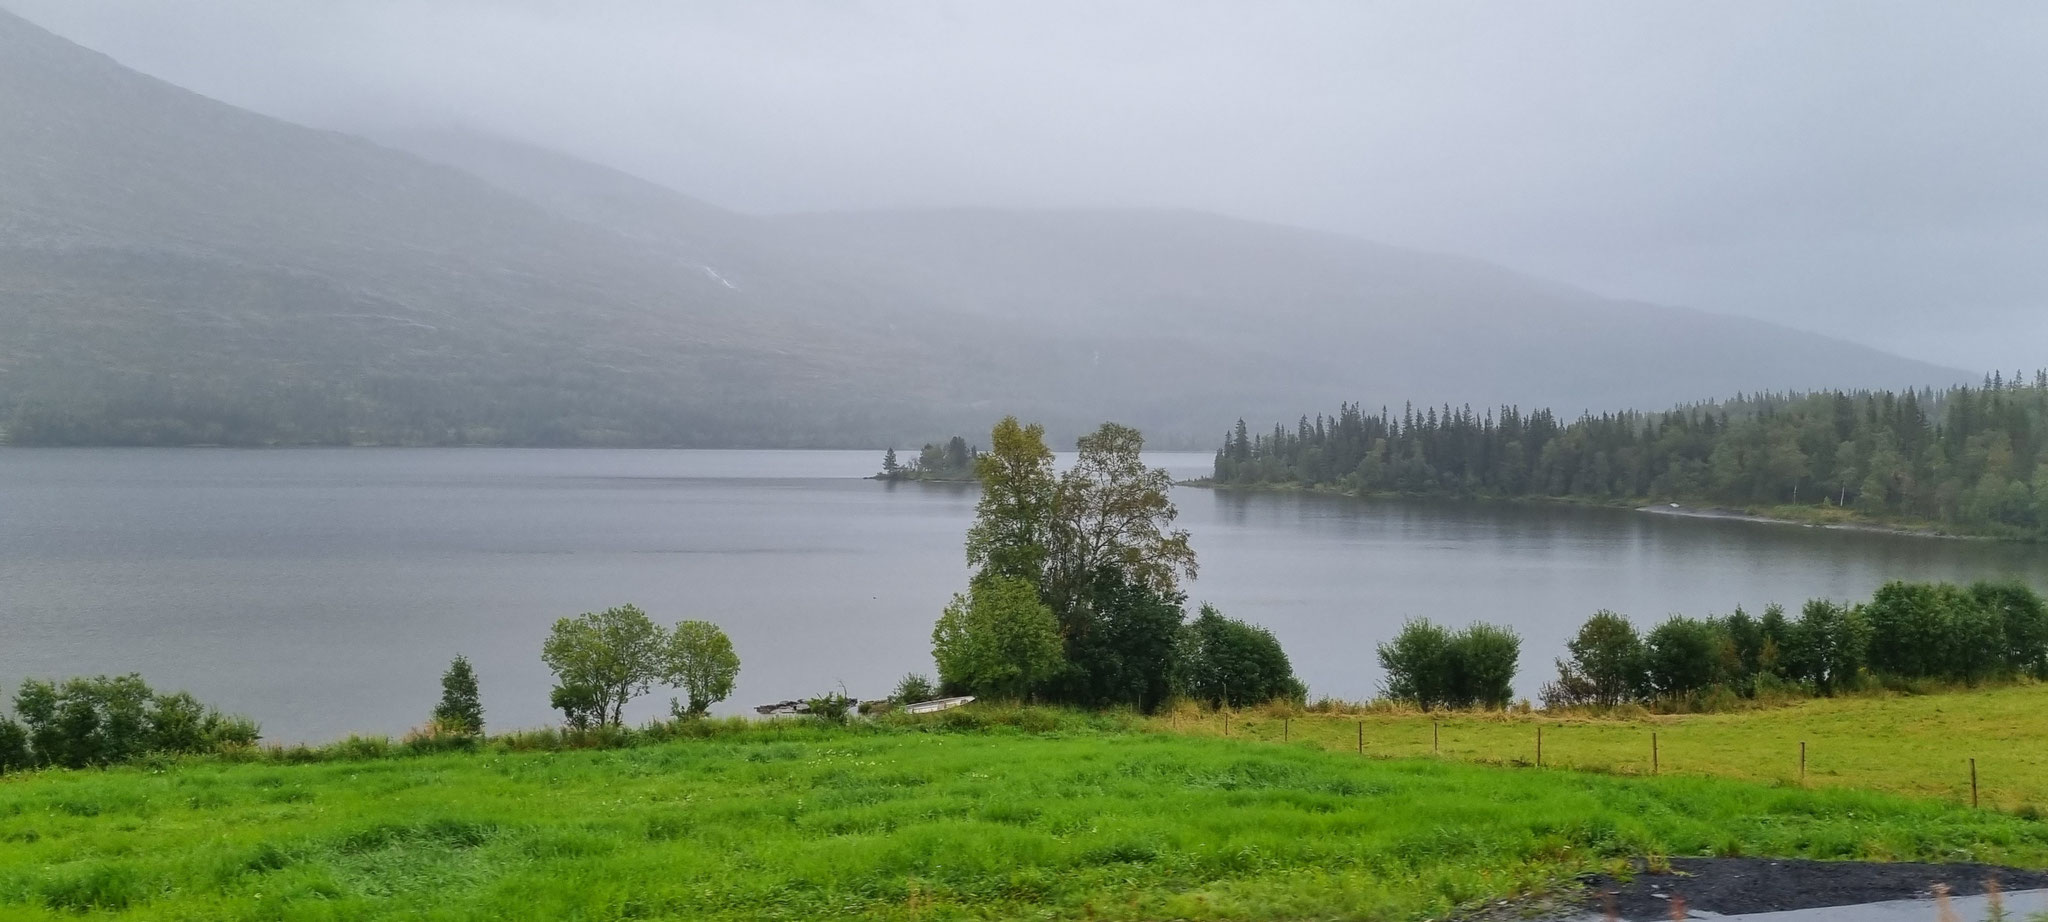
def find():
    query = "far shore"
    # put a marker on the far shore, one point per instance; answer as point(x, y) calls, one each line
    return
point(1715, 512)
point(1828, 518)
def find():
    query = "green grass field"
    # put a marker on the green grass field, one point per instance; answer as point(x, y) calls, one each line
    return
point(1916, 745)
point(897, 823)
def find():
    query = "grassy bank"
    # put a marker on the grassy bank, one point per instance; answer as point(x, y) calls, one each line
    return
point(898, 823)
point(1915, 745)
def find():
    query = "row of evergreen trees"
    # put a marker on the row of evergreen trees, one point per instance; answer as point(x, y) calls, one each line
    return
point(1970, 457)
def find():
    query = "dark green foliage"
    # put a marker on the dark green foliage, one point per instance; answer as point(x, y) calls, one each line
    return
point(1224, 661)
point(15, 753)
point(461, 709)
point(1432, 667)
point(2024, 619)
point(106, 720)
point(1970, 457)
point(1489, 656)
point(1607, 665)
point(1829, 646)
point(1685, 656)
point(582, 706)
point(997, 641)
point(914, 688)
point(1941, 631)
point(952, 461)
point(1907, 631)
point(1909, 627)
point(1746, 641)
point(1120, 647)
point(1418, 664)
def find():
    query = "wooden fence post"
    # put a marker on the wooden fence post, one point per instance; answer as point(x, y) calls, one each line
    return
point(1433, 736)
point(1653, 752)
point(1286, 728)
point(1802, 763)
point(1361, 737)
point(1973, 784)
point(1539, 746)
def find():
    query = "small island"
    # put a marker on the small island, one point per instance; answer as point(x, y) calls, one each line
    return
point(952, 462)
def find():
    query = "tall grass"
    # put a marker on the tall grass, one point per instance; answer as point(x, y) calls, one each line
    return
point(1917, 745)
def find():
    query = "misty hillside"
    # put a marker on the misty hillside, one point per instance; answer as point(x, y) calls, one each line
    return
point(174, 269)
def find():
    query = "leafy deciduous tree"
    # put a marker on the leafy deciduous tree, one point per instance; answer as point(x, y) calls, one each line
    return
point(700, 661)
point(602, 660)
point(998, 640)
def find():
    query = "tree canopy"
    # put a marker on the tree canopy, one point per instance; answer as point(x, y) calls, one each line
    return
point(1973, 457)
point(700, 661)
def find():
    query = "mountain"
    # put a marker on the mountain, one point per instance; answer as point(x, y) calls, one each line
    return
point(177, 270)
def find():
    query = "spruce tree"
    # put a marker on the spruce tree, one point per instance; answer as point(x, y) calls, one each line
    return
point(461, 708)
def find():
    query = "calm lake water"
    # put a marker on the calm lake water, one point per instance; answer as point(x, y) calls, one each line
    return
point(322, 592)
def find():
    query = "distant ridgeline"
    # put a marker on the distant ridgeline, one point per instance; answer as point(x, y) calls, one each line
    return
point(953, 461)
point(1975, 458)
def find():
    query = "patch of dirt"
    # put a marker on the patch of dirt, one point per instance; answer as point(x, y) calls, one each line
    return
point(1730, 886)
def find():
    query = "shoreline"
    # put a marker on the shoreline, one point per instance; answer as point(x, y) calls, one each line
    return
point(1737, 515)
point(1833, 522)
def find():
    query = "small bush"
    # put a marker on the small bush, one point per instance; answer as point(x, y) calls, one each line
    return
point(1607, 665)
point(1226, 662)
point(1683, 656)
point(831, 707)
point(1432, 667)
point(914, 688)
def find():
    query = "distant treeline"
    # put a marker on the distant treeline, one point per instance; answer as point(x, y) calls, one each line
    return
point(1970, 457)
point(546, 409)
point(1906, 633)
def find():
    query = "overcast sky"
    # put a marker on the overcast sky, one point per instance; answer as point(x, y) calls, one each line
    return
point(1872, 170)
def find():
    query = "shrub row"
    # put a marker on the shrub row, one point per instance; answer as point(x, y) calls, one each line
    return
point(106, 720)
point(1906, 632)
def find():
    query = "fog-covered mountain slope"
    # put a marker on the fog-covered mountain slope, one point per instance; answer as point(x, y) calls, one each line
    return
point(177, 270)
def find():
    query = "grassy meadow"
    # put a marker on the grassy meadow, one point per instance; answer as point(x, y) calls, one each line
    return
point(1919, 745)
point(902, 821)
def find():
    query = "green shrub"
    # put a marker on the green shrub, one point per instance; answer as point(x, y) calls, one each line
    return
point(1488, 657)
point(1607, 667)
point(2024, 618)
point(914, 688)
point(999, 640)
point(15, 754)
point(1683, 656)
point(1432, 667)
point(1418, 664)
point(831, 707)
point(1224, 661)
point(1828, 647)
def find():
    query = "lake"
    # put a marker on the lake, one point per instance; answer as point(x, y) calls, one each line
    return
point(323, 591)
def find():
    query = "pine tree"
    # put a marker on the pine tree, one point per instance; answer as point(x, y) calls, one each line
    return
point(461, 709)
point(890, 468)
